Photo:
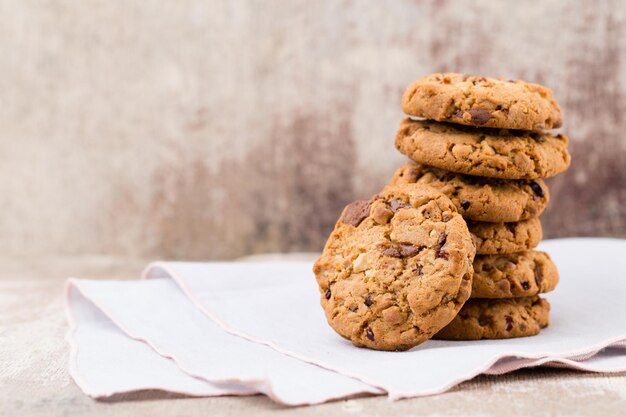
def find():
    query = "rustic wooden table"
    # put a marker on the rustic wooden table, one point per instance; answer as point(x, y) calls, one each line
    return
point(34, 379)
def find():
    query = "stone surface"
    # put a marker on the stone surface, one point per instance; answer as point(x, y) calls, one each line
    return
point(34, 380)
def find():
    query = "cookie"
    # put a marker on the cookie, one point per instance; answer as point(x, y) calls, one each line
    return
point(478, 198)
point(483, 102)
point(494, 153)
point(498, 319)
point(501, 238)
point(514, 275)
point(396, 269)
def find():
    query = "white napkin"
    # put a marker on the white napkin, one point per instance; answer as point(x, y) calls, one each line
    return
point(258, 328)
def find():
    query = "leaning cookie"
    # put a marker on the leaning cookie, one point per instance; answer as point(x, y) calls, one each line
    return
point(498, 319)
point(514, 275)
point(502, 238)
point(494, 153)
point(396, 269)
point(483, 102)
point(478, 198)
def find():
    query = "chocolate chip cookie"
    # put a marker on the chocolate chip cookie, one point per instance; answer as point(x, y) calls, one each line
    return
point(396, 269)
point(494, 153)
point(498, 319)
point(514, 275)
point(483, 102)
point(501, 238)
point(478, 198)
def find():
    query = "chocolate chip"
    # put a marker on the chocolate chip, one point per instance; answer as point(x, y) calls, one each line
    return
point(509, 323)
point(445, 217)
point(440, 244)
point(525, 286)
point(537, 189)
point(328, 294)
point(409, 250)
point(465, 204)
point(418, 269)
point(393, 252)
point(402, 249)
point(538, 276)
point(369, 333)
point(480, 116)
point(397, 205)
point(356, 212)
point(368, 301)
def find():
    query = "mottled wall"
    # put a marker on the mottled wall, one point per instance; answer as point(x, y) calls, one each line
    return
point(212, 129)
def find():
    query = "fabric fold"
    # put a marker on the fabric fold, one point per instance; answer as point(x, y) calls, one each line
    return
point(156, 315)
point(244, 328)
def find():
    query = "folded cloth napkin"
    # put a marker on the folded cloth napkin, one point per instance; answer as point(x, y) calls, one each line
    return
point(211, 329)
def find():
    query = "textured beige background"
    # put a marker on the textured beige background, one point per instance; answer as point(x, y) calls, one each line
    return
point(213, 129)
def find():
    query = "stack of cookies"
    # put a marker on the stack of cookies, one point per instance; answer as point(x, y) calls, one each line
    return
point(446, 249)
point(483, 144)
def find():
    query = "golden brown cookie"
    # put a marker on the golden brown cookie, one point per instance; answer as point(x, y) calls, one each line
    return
point(478, 198)
point(514, 275)
point(494, 153)
point(396, 268)
point(498, 319)
point(483, 102)
point(502, 238)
